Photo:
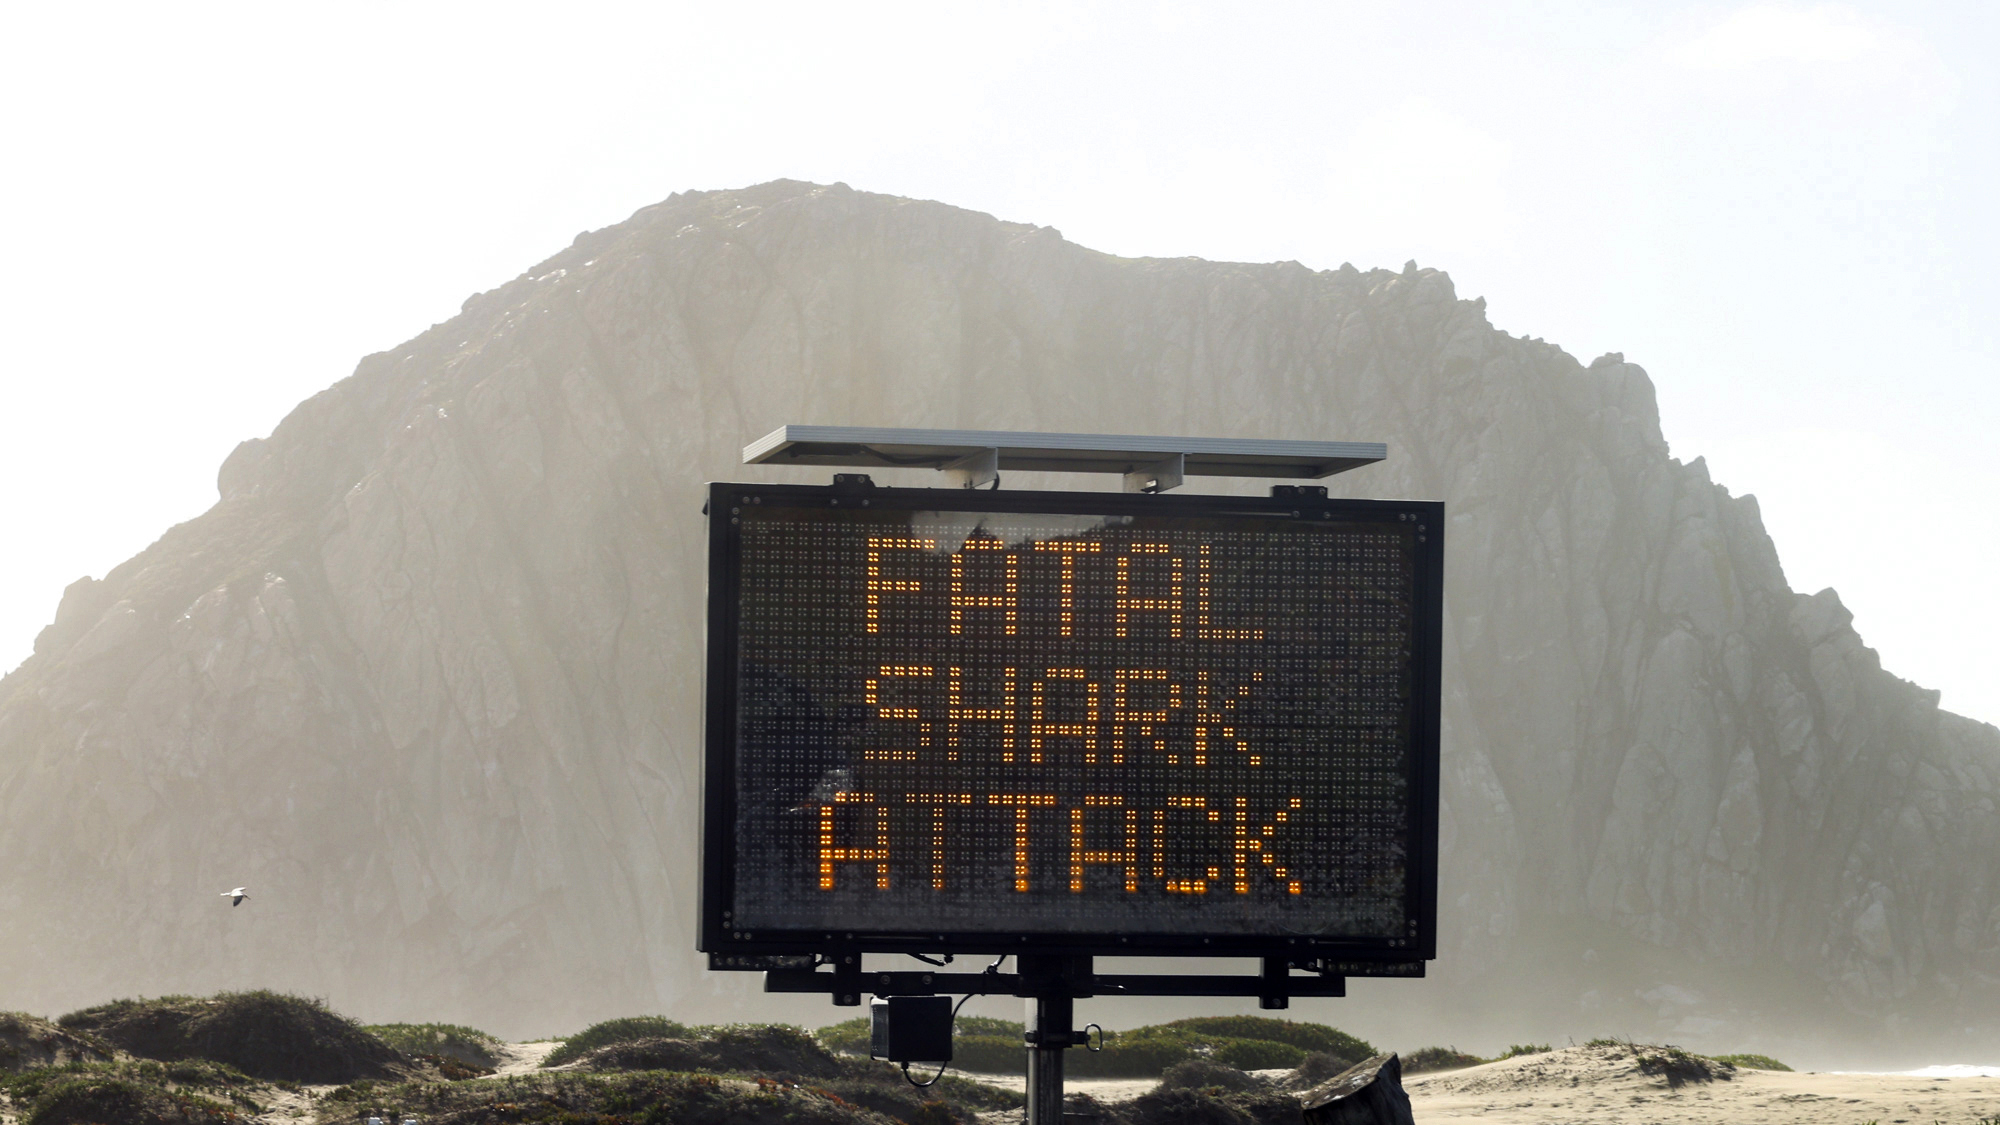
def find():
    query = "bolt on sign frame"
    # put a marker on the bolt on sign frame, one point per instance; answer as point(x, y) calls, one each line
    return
point(955, 721)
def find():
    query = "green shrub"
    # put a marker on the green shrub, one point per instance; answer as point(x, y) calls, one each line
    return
point(466, 1044)
point(1202, 1074)
point(92, 1099)
point(778, 1048)
point(25, 1087)
point(261, 1033)
point(616, 1031)
point(1678, 1066)
point(849, 1037)
point(213, 1080)
point(899, 1101)
point(1305, 1036)
point(1144, 1052)
point(749, 1048)
point(984, 1045)
point(980, 1044)
point(994, 1038)
point(1316, 1068)
point(991, 1054)
point(666, 1097)
point(198, 1072)
point(567, 1097)
point(1525, 1049)
point(1753, 1062)
point(974, 1093)
point(1438, 1058)
point(87, 1018)
point(1132, 1055)
point(987, 1025)
point(1258, 1054)
point(30, 1041)
point(1211, 1105)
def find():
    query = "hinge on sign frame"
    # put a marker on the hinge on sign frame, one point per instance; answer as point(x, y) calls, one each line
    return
point(846, 979)
point(1273, 975)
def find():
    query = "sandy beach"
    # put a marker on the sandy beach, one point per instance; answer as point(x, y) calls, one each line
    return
point(1605, 1086)
point(1602, 1085)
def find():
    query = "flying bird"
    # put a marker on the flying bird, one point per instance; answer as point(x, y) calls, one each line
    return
point(238, 895)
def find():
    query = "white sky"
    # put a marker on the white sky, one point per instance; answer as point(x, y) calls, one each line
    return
point(1786, 212)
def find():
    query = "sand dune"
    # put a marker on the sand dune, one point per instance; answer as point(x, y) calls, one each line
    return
point(1606, 1086)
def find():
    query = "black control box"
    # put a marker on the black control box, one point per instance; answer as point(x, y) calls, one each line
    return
point(911, 1029)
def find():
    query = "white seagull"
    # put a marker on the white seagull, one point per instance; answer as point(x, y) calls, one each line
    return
point(239, 894)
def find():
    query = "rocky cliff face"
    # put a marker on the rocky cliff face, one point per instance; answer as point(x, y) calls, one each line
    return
point(426, 677)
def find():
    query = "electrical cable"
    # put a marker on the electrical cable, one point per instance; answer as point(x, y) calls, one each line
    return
point(918, 462)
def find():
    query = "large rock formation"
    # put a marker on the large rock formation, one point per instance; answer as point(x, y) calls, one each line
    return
point(426, 676)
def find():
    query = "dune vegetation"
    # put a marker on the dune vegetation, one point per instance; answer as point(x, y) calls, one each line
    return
point(243, 1056)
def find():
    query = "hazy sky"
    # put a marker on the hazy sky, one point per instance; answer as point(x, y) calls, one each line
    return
point(1785, 212)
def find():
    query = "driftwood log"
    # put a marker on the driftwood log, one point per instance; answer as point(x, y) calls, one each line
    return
point(1367, 1093)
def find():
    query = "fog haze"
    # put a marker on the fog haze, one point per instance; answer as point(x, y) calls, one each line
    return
point(427, 672)
point(1779, 211)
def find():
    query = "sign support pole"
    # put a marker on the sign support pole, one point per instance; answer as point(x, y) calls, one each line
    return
point(1051, 982)
point(1049, 1017)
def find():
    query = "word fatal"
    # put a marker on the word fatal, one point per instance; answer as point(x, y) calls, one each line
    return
point(1149, 581)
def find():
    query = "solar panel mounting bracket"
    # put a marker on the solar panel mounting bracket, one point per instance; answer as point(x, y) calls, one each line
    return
point(977, 468)
point(1159, 476)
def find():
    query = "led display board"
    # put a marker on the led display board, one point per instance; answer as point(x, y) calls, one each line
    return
point(951, 720)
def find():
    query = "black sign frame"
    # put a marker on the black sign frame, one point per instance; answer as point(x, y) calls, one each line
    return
point(716, 935)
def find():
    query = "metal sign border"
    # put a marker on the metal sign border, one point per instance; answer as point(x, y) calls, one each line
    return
point(717, 862)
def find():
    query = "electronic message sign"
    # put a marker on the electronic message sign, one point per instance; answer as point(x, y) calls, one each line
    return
point(947, 720)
